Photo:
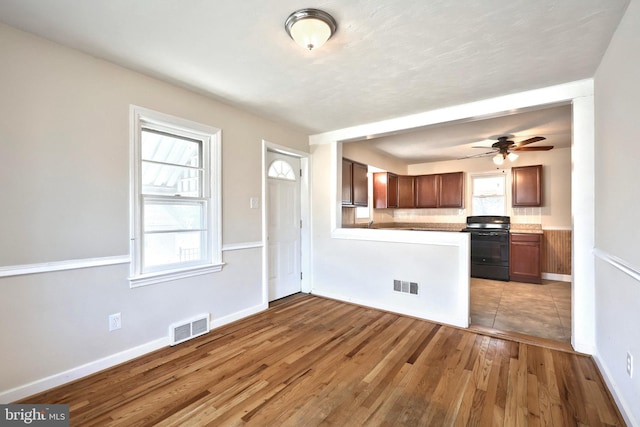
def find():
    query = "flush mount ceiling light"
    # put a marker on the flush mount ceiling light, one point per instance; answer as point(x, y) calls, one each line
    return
point(310, 28)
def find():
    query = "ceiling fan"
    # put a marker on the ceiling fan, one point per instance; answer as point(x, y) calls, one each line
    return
point(504, 148)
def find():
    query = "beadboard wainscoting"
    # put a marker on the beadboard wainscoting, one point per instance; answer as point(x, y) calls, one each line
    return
point(556, 252)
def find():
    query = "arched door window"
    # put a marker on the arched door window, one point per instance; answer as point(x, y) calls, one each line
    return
point(282, 170)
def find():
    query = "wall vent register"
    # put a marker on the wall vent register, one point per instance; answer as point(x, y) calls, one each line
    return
point(405, 287)
point(187, 329)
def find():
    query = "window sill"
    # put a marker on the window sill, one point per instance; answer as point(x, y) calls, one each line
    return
point(166, 276)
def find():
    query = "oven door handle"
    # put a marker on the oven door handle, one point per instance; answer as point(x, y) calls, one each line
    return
point(489, 234)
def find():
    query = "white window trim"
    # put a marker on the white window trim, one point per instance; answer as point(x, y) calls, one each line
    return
point(487, 175)
point(138, 117)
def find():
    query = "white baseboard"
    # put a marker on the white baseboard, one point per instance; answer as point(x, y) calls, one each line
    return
point(216, 323)
point(558, 277)
point(78, 372)
point(383, 307)
point(620, 401)
point(73, 374)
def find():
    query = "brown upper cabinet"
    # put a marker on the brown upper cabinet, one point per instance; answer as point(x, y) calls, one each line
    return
point(354, 183)
point(526, 186)
point(440, 190)
point(451, 190)
point(385, 190)
point(427, 191)
point(406, 192)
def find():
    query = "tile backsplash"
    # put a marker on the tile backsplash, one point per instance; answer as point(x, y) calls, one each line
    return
point(451, 215)
point(531, 215)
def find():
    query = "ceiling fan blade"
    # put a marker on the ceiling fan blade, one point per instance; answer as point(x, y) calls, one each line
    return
point(477, 146)
point(542, 148)
point(478, 155)
point(531, 140)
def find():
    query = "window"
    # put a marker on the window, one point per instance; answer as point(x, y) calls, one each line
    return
point(488, 197)
point(362, 212)
point(175, 192)
point(281, 170)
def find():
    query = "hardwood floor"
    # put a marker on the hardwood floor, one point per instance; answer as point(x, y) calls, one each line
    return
point(311, 361)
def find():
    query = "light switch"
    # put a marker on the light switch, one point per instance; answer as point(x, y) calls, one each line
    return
point(254, 203)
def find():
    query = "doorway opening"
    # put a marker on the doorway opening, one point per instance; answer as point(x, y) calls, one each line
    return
point(285, 222)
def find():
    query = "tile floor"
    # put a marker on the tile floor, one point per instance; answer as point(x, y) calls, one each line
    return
point(538, 310)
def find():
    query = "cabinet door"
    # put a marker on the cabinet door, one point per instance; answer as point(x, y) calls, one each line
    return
point(347, 182)
point(526, 186)
point(392, 191)
point(451, 190)
point(360, 185)
point(524, 258)
point(426, 191)
point(406, 192)
point(385, 190)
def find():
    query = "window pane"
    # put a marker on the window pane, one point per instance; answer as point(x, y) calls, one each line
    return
point(488, 205)
point(281, 169)
point(362, 212)
point(165, 148)
point(168, 180)
point(159, 216)
point(173, 248)
point(488, 186)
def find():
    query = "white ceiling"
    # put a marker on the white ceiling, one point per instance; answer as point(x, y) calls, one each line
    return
point(457, 140)
point(388, 58)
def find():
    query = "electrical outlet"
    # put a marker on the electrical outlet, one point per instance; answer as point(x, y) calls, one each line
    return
point(629, 364)
point(254, 203)
point(115, 321)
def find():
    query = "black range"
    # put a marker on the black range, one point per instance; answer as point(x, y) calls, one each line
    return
point(489, 246)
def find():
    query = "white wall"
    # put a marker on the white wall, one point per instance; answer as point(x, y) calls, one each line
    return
point(335, 246)
point(617, 235)
point(363, 154)
point(360, 265)
point(64, 145)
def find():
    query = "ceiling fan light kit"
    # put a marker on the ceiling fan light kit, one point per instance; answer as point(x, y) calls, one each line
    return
point(310, 28)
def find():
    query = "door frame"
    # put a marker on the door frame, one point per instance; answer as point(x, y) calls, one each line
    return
point(305, 216)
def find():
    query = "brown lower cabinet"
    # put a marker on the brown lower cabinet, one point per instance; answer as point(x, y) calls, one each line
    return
point(525, 261)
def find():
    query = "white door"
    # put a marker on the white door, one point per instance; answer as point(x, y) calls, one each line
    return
point(283, 218)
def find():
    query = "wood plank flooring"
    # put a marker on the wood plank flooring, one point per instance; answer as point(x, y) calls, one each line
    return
point(310, 361)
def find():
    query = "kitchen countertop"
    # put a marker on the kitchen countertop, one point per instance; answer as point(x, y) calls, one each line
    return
point(420, 226)
point(526, 228)
point(438, 226)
